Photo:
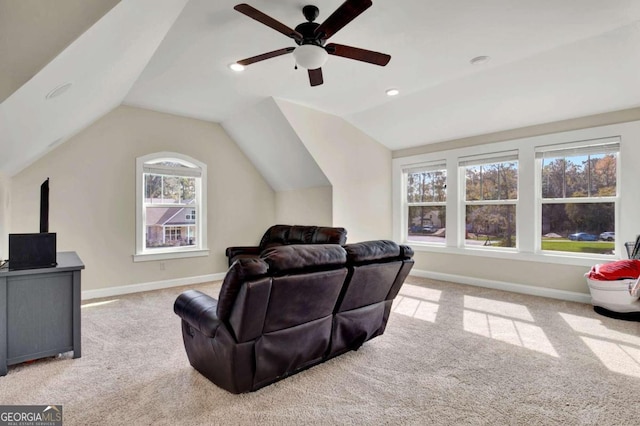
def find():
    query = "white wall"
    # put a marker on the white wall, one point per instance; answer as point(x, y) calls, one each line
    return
point(308, 206)
point(5, 199)
point(92, 195)
point(358, 168)
point(527, 267)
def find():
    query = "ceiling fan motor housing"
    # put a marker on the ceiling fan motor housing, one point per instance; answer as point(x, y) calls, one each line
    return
point(309, 36)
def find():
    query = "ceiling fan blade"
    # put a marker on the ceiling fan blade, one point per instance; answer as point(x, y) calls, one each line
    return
point(254, 13)
point(346, 13)
point(267, 55)
point(358, 54)
point(315, 77)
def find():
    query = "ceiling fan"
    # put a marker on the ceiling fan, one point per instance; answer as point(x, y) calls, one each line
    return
point(311, 37)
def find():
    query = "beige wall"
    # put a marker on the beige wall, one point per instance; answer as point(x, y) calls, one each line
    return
point(307, 206)
point(5, 199)
point(535, 274)
point(358, 168)
point(93, 195)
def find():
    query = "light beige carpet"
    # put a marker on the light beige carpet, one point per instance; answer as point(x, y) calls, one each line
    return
point(451, 355)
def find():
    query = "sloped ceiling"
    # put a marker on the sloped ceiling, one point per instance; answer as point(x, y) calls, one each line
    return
point(33, 32)
point(266, 137)
point(102, 65)
point(550, 60)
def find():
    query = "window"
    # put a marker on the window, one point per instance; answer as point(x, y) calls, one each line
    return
point(425, 206)
point(553, 198)
point(490, 199)
point(171, 204)
point(578, 196)
point(172, 233)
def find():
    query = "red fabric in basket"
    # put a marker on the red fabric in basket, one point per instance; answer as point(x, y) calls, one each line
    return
point(618, 270)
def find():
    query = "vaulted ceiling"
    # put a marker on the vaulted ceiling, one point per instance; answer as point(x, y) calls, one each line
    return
point(550, 60)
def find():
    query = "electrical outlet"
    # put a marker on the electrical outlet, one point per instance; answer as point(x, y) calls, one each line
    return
point(162, 266)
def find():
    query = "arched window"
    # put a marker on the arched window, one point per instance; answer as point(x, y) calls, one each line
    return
point(171, 207)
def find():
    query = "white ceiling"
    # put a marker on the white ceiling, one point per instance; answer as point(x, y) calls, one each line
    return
point(551, 60)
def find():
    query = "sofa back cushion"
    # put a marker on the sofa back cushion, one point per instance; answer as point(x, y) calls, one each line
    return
point(275, 236)
point(302, 298)
point(301, 234)
point(374, 268)
point(289, 285)
point(298, 257)
point(369, 284)
point(370, 251)
point(328, 235)
point(239, 272)
point(278, 235)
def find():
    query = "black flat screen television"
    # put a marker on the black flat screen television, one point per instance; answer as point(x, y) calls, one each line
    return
point(30, 251)
point(44, 206)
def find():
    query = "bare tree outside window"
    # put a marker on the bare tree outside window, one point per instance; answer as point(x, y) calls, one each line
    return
point(491, 193)
point(426, 197)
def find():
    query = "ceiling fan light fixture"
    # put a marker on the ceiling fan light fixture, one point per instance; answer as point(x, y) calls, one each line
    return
point(310, 56)
point(236, 67)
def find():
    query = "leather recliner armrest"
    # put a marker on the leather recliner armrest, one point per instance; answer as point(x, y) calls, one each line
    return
point(199, 311)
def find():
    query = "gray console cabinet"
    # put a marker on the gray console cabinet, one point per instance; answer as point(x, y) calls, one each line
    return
point(40, 311)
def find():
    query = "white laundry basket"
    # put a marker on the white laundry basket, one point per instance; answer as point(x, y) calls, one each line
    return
point(613, 295)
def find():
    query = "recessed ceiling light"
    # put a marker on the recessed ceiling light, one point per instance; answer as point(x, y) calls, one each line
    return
point(54, 93)
point(479, 60)
point(392, 92)
point(236, 67)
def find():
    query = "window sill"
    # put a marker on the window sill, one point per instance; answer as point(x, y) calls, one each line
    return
point(146, 257)
point(542, 257)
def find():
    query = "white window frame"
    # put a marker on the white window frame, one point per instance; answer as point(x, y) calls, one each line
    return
point(193, 168)
point(528, 219)
point(576, 148)
point(480, 160)
point(432, 166)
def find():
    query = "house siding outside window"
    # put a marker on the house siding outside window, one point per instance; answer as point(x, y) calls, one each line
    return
point(171, 201)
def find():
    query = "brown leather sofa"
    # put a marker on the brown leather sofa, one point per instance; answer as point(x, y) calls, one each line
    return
point(292, 308)
point(279, 235)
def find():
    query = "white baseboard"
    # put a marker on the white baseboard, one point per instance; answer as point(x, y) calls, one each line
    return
point(460, 279)
point(155, 285)
point(570, 296)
